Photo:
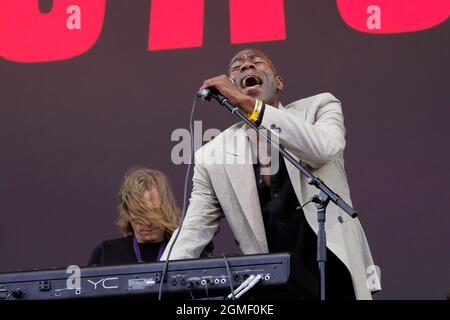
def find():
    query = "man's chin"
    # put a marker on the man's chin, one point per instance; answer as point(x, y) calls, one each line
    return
point(149, 239)
point(256, 95)
point(148, 236)
point(254, 92)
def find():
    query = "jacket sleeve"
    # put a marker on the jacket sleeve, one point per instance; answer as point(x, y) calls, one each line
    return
point(201, 221)
point(316, 141)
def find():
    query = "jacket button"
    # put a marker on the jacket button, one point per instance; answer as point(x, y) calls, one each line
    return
point(275, 128)
point(340, 219)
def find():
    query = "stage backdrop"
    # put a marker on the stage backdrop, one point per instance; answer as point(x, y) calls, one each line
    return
point(91, 88)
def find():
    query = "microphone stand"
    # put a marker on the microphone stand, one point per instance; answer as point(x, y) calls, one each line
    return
point(322, 199)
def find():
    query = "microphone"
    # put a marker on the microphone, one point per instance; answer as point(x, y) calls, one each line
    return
point(204, 93)
point(208, 93)
point(212, 92)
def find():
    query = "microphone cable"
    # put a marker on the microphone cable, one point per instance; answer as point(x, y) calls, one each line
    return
point(186, 180)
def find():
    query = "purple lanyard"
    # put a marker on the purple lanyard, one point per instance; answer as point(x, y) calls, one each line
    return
point(137, 252)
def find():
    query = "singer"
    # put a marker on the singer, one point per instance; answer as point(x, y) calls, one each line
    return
point(264, 207)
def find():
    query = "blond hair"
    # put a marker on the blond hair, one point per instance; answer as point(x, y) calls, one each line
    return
point(130, 198)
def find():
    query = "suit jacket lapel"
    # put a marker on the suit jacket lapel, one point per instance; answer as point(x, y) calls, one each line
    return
point(240, 171)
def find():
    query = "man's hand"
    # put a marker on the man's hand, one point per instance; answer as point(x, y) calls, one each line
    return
point(228, 89)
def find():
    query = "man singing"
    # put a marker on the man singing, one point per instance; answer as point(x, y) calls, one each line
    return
point(264, 207)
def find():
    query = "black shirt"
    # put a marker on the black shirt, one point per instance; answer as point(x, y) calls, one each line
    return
point(121, 251)
point(282, 215)
point(287, 230)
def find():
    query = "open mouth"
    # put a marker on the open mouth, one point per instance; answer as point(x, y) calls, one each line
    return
point(251, 82)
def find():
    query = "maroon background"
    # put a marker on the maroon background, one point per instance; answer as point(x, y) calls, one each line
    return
point(70, 129)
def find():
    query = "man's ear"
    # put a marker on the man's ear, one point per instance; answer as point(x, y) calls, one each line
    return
point(279, 82)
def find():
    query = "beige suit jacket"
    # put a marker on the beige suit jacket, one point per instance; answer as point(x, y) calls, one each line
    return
point(312, 130)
